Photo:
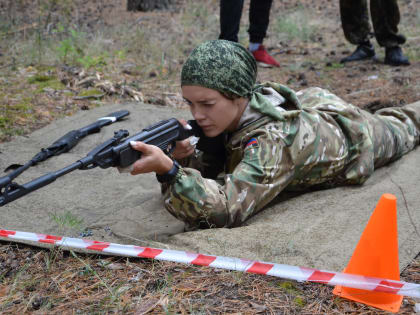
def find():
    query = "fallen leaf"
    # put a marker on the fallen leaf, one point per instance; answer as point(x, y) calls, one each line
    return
point(257, 307)
point(4, 291)
point(146, 306)
point(113, 266)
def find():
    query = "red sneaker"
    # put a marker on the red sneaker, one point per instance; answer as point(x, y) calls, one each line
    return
point(264, 59)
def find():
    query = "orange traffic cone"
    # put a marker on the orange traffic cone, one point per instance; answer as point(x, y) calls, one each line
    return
point(376, 255)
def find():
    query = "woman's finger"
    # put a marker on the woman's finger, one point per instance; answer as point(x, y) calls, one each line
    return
point(183, 122)
point(184, 143)
point(140, 146)
point(190, 151)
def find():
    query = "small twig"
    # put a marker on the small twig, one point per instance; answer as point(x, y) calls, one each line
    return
point(78, 301)
point(23, 28)
point(86, 97)
point(364, 91)
point(406, 206)
point(94, 272)
point(5, 66)
point(146, 242)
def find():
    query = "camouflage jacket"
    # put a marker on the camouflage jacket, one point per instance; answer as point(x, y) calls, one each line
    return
point(306, 139)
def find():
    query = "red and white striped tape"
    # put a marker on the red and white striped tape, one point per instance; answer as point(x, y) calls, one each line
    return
point(251, 266)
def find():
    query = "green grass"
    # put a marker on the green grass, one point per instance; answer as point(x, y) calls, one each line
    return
point(334, 65)
point(45, 81)
point(13, 115)
point(410, 27)
point(66, 220)
point(103, 49)
point(289, 288)
point(412, 53)
point(295, 25)
point(418, 19)
point(4, 121)
point(38, 78)
point(91, 92)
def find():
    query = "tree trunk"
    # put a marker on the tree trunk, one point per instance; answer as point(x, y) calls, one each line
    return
point(147, 5)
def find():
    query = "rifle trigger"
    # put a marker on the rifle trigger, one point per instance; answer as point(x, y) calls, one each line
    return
point(170, 149)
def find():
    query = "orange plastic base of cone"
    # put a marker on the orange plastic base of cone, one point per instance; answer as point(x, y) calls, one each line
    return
point(384, 301)
point(376, 255)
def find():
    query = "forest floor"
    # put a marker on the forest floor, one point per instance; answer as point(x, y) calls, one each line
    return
point(58, 57)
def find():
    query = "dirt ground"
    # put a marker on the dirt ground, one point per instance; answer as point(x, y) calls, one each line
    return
point(43, 76)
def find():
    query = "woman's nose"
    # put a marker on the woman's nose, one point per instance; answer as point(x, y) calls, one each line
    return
point(198, 115)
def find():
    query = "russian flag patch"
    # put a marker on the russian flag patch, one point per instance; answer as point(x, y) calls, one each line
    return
point(252, 143)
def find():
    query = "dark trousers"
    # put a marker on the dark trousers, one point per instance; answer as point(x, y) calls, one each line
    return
point(230, 18)
point(385, 16)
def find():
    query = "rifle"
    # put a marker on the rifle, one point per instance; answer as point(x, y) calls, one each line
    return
point(115, 152)
point(62, 145)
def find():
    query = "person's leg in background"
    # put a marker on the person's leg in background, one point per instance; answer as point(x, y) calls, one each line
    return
point(356, 27)
point(385, 19)
point(230, 19)
point(259, 18)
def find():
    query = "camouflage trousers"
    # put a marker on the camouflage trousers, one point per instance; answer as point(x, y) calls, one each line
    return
point(395, 131)
point(385, 19)
point(373, 140)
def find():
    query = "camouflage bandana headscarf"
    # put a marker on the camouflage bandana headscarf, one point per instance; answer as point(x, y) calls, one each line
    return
point(230, 68)
point(210, 65)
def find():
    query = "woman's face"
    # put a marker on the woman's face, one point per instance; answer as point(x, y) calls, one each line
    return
point(213, 112)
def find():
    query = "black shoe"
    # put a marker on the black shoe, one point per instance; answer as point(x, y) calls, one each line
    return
point(363, 51)
point(394, 57)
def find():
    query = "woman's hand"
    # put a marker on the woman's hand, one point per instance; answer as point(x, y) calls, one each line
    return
point(152, 159)
point(183, 148)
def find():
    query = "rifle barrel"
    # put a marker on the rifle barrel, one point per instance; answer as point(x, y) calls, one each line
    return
point(22, 190)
